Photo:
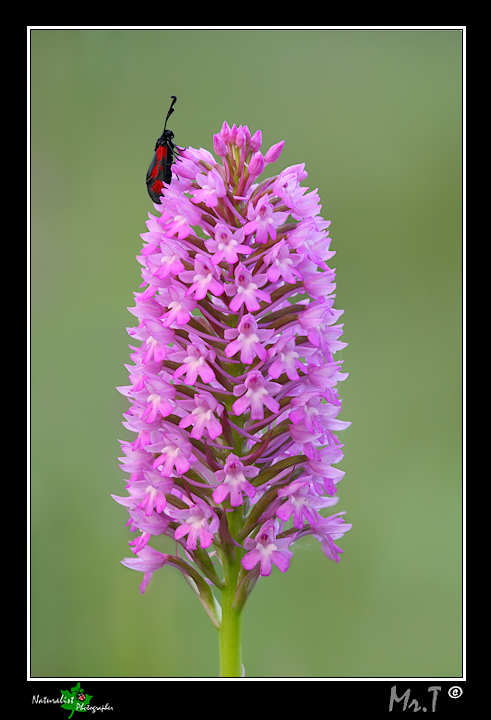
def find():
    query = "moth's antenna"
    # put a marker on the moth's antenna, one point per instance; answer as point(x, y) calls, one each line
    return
point(171, 110)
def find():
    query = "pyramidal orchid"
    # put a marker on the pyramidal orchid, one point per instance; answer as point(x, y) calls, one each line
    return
point(233, 387)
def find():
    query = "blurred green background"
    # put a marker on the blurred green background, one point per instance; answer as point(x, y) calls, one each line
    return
point(376, 115)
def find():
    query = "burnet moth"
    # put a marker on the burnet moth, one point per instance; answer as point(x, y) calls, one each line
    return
point(160, 171)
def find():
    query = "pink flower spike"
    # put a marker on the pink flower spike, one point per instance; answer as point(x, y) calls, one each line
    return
point(232, 393)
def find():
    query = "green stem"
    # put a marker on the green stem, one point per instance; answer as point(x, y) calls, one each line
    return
point(231, 625)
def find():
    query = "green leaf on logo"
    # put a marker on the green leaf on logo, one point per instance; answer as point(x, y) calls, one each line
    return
point(75, 700)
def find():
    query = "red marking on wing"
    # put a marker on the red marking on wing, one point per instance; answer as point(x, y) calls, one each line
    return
point(160, 157)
